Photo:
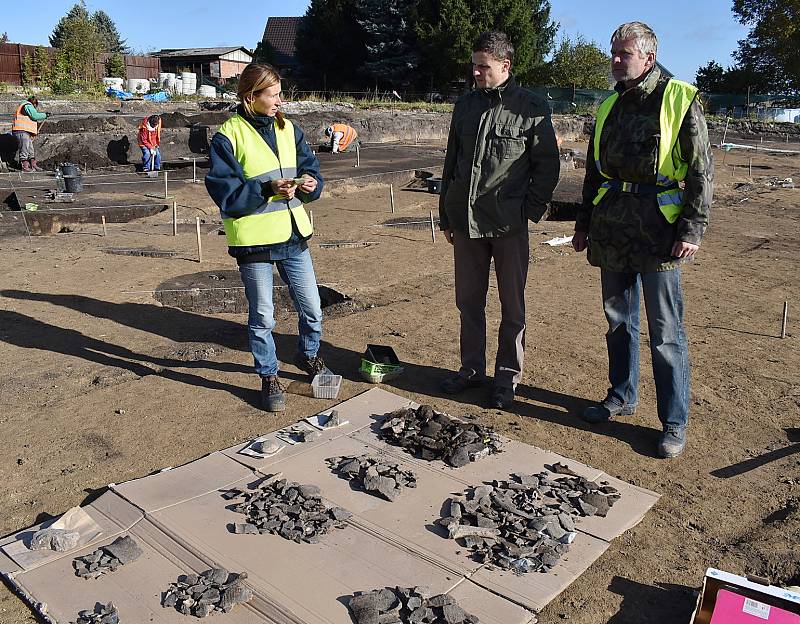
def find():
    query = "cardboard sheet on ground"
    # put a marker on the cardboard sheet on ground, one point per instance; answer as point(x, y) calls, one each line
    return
point(183, 524)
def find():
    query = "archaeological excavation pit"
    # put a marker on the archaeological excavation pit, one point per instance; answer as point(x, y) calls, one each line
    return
point(412, 223)
point(212, 292)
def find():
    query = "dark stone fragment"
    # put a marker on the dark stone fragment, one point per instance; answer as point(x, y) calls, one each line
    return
point(125, 549)
point(340, 514)
point(598, 501)
point(307, 491)
point(236, 593)
point(170, 600)
point(458, 458)
point(440, 600)
point(201, 610)
point(231, 494)
point(216, 576)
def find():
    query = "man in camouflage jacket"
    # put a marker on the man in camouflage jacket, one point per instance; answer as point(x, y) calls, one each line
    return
point(500, 170)
point(636, 247)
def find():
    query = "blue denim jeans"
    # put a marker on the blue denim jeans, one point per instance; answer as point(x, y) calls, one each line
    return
point(298, 274)
point(147, 154)
point(663, 301)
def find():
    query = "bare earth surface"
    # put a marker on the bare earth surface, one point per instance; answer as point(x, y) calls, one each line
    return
point(99, 383)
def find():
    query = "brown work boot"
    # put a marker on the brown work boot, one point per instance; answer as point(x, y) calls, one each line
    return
point(311, 366)
point(35, 166)
point(26, 166)
point(272, 397)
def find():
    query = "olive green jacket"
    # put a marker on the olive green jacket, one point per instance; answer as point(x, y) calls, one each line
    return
point(627, 231)
point(501, 165)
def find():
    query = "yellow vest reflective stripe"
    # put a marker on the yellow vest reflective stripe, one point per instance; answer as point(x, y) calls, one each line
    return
point(672, 168)
point(271, 222)
point(23, 122)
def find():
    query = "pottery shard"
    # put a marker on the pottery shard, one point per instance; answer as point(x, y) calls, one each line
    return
point(59, 540)
point(215, 576)
point(307, 491)
point(236, 593)
point(125, 549)
point(598, 501)
point(458, 458)
point(453, 614)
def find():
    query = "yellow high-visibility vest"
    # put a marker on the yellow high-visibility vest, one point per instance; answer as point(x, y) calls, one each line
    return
point(271, 222)
point(672, 168)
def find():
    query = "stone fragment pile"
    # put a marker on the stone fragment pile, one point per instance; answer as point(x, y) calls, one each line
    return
point(431, 435)
point(527, 523)
point(212, 590)
point(407, 605)
point(102, 614)
point(107, 558)
point(375, 475)
point(293, 511)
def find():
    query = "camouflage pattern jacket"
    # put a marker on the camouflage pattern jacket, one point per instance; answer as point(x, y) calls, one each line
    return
point(628, 232)
point(501, 165)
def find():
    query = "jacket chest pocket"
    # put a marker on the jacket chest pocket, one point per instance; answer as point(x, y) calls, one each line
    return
point(632, 153)
point(508, 142)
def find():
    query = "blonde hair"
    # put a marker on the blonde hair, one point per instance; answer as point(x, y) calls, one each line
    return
point(645, 37)
point(255, 78)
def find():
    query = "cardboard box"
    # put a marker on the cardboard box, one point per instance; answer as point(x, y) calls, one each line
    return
point(730, 599)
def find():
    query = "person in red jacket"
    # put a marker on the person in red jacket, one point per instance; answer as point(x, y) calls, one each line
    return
point(150, 142)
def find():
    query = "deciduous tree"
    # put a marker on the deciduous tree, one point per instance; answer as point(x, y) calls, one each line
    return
point(580, 63)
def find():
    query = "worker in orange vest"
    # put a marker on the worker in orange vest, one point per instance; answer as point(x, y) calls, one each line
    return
point(341, 136)
point(150, 141)
point(24, 127)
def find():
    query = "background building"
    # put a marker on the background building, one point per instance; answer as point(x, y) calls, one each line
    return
point(210, 64)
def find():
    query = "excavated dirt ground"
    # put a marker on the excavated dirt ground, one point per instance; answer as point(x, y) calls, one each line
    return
point(100, 383)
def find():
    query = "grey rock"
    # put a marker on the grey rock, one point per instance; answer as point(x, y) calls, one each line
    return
point(59, 540)
point(124, 549)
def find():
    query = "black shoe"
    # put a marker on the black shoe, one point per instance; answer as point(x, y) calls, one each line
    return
point(459, 383)
point(501, 397)
point(672, 443)
point(272, 396)
point(605, 411)
point(311, 366)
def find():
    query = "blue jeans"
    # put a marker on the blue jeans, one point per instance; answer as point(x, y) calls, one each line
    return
point(298, 273)
point(147, 154)
point(663, 301)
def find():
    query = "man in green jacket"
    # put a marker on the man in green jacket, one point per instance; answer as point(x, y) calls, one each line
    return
point(646, 199)
point(24, 127)
point(500, 170)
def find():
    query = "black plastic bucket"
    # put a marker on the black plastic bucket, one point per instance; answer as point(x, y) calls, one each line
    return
point(69, 169)
point(73, 183)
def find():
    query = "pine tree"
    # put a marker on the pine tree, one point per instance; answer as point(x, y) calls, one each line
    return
point(108, 32)
point(390, 40)
point(330, 44)
point(448, 28)
point(79, 12)
point(4, 38)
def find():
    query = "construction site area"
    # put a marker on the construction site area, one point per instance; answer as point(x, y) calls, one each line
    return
point(124, 352)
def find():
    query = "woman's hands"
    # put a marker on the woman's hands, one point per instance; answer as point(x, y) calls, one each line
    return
point(286, 187)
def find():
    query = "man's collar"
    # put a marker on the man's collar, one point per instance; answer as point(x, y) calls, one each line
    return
point(510, 82)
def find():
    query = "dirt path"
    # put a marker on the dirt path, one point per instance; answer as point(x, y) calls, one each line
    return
point(101, 384)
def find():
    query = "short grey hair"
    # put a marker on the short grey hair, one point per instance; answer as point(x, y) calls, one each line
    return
point(645, 37)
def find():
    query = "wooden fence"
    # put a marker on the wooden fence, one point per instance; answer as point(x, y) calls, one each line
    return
point(13, 54)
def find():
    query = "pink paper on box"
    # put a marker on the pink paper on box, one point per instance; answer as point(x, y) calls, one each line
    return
point(730, 608)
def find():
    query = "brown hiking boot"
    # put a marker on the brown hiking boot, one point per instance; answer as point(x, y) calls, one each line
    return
point(272, 396)
point(311, 366)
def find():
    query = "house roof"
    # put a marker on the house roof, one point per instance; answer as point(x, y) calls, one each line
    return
point(182, 52)
point(280, 33)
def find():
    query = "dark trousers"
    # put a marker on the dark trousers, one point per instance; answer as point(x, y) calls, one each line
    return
point(472, 260)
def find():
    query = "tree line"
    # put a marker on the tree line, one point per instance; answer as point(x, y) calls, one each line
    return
point(426, 44)
point(768, 59)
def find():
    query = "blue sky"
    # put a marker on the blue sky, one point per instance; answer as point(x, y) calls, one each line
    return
point(691, 33)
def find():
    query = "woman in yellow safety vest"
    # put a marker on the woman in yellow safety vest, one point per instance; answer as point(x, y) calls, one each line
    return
point(262, 173)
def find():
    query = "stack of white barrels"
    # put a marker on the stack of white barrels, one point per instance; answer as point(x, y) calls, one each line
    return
point(189, 83)
point(114, 83)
